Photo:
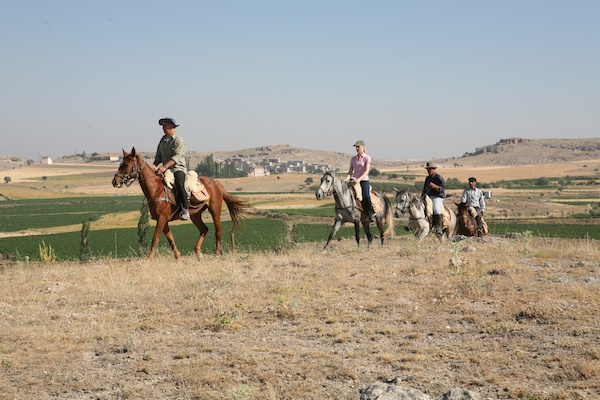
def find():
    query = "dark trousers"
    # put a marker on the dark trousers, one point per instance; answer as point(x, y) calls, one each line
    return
point(366, 195)
point(180, 188)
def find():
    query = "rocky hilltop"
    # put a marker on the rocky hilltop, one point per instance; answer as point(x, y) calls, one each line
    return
point(520, 151)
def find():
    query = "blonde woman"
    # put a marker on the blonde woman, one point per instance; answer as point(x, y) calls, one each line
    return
point(360, 166)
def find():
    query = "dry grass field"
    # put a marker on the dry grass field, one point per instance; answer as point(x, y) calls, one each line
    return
point(506, 318)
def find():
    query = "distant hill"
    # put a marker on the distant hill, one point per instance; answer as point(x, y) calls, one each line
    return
point(511, 151)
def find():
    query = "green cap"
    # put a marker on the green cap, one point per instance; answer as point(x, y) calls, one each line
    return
point(360, 143)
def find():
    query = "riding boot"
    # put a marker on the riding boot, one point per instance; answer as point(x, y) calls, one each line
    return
point(438, 224)
point(479, 225)
point(371, 213)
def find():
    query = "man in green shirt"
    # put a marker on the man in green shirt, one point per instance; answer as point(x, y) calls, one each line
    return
point(171, 153)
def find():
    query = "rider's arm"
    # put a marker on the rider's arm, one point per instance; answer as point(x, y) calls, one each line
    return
point(349, 175)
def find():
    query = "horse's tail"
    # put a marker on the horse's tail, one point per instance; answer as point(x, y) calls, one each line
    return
point(238, 208)
point(389, 217)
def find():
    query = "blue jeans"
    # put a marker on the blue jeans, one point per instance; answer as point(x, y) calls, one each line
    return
point(366, 195)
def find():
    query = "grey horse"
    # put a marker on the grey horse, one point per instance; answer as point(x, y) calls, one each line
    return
point(418, 223)
point(347, 209)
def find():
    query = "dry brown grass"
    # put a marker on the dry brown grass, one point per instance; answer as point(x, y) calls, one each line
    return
point(514, 318)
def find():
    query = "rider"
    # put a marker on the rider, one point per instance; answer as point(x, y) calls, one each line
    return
point(171, 153)
point(473, 197)
point(434, 188)
point(360, 166)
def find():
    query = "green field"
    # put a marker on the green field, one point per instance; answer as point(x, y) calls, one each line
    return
point(18, 215)
point(257, 234)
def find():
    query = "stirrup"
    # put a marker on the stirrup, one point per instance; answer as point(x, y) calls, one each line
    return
point(184, 214)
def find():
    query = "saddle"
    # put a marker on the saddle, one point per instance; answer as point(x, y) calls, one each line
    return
point(473, 215)
point(375, 199)
point(429, 211)
point(195, 189)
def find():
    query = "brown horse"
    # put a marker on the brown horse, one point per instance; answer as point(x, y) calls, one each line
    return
point(466, 224)
point(164, 208)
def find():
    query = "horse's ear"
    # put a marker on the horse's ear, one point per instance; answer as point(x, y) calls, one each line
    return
point(133, 151)
point(124, 152)
point(396, 190)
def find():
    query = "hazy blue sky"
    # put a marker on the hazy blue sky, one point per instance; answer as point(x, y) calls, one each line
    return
point(414, 79)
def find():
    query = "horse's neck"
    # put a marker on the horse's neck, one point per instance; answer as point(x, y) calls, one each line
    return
point(417, 209)
point(151, 184)
point(344, 197)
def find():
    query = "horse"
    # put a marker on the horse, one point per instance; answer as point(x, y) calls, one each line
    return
point(164, 207)
point(418, 223)
point(467, 224)
point(349, 209)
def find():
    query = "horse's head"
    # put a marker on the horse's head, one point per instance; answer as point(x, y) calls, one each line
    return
point(463, 216)
point(402, 201)
point(326, 187)
point(129, 170)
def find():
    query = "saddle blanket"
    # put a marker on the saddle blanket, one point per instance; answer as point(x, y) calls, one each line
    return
point(429, 211)
point(195, 189)
point(375, 200)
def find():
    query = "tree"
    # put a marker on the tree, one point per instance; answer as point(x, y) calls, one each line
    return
point(542, 181)
point(7, 179)
point(207, 167)
point(84, 250)
point(374, 172)
point(143, 225)
point(308, 181)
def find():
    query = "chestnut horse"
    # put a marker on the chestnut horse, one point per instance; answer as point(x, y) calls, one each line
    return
point(164, 207)
point(466, 224)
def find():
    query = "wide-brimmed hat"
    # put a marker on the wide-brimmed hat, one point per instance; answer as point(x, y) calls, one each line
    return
point(359, 143)
point(431, 165)
point(162, 121)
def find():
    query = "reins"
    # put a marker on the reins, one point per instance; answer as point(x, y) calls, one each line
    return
point(135, 174)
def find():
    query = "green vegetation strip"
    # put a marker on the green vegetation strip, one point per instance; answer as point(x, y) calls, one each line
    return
point(256, 235)
point(18, 215)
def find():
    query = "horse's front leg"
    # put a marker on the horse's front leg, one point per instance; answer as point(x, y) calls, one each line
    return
point(160, 225)
point(336, 227)
point(169, 234)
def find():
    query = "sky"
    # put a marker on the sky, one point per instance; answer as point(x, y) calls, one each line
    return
point(413, 79)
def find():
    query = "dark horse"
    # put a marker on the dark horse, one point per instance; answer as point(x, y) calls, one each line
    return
point(164, 208)
point(347, 209)
point(466, 224)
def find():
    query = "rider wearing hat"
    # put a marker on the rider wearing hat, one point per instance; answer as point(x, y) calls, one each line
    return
point(360, 166)
point(474, 199)
point(171, 153)
point(434, 188)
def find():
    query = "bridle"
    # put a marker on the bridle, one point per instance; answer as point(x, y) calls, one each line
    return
point(331, 190)
point(128, 179)
point(406, 205)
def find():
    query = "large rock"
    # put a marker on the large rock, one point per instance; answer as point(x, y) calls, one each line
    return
point(385, 391)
